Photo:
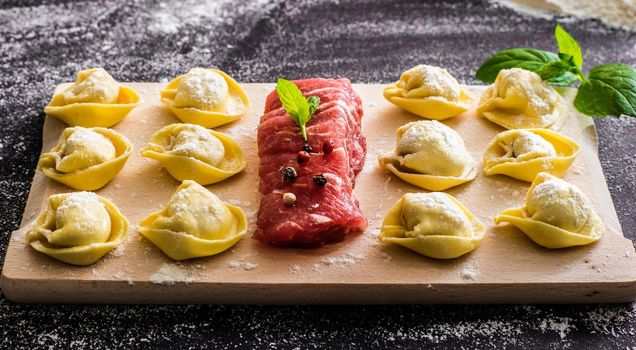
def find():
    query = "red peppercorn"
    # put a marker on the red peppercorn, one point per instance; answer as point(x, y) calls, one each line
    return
point(303, 157)
point(327, 146)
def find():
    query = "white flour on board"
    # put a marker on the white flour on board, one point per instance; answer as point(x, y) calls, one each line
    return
point(247, 266)
point(170, 274)
point(469, 273)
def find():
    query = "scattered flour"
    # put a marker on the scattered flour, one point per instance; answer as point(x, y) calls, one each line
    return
point(296, 269)
point(469, 273)
point(349, 259)
point(124, 277)
point(170, 274)
point(345, 261)
point(615, 13)
point(235, 202)
point(247, 266)
point(561, 326)
point(118, 251)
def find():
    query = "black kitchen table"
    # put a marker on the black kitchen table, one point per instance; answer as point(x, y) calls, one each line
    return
point(45, 42)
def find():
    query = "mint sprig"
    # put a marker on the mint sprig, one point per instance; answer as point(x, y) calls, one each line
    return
point(299, 108)
point(609, 89)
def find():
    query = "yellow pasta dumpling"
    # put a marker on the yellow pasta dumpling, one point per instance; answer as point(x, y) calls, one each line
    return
point(194, 223)
point(524, 153)
point(433, 224)
point(78, 228)
point(94, 100)
point(430, 92)
point(430, 155)
point(206, 97)
point(519, 99)
point(192, 152)
point(556, 214)
point(86, 158)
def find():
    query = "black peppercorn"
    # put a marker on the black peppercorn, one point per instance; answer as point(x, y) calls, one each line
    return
point(320, 180)
point(307, 148)
point(289, 175)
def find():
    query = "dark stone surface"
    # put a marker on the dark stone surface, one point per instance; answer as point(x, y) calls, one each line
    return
point(43, 43)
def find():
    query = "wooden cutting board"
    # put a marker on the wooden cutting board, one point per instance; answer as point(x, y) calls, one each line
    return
point(506, 268)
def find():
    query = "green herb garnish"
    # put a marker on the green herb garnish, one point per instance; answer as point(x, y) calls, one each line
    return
point(299, 108)
point(530, 59)
point(609, 89)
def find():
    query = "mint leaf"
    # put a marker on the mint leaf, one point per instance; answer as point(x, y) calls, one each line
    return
point(299, 108)
point(568, 45)
point(610, 89)
point(291, 98)
point(526, 58)
point(565, 79)
point(561, 72)
point(554, 69)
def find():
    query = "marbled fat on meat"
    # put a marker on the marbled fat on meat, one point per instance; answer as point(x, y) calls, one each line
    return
point(320, 214)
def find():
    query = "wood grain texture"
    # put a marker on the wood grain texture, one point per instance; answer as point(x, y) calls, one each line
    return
point(506, 268)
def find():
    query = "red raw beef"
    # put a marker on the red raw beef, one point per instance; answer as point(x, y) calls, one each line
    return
point(320, 214)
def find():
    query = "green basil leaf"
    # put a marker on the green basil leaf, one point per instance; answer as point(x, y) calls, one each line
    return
point(568, 45)
point(610, 89)
point(526, 58)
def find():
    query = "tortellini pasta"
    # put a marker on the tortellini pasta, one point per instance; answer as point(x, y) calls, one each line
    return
point(429, 92)
point(556, 214)
point(86, 158)
point(519, 99)
point(94, 100)
point(524, 153)
point(430, 155)
point(192, 152)
point(194, 223)
point(206, 97)
point(78, 228)
point(433, 224)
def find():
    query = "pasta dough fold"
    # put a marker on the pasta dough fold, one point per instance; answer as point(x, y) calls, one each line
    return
point(522, 154)
point(556, 214)
point(86, 158)
point(433, 224)
point(78, 228)
point(430, 155)
point(519, 99)
point(192, 152)
point(194, 223)
point(429, 92)
point(95, 99)
point(206, 97)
